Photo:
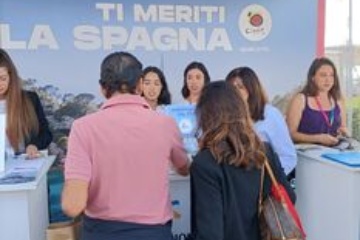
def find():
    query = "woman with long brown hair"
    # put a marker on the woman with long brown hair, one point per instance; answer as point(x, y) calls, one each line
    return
point(226, 172)
point(317, 114)
point(26, 126)
point(269, 122)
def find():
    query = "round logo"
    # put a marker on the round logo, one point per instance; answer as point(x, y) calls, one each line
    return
point(255, 22)
point(185, 126)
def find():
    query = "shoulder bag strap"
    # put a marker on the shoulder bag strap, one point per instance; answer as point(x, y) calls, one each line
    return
point(262, 178)
point(271, 173)
point(266, 167)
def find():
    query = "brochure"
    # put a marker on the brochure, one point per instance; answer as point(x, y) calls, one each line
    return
point(21, 170)
point(13, 178)
point(184, 115)
point(351, 159)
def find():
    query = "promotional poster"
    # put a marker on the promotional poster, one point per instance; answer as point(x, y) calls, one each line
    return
point(57, 47)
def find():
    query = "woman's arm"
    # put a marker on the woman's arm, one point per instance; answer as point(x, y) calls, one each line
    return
point(44, 136)
point(343, 129)
point(280, 139)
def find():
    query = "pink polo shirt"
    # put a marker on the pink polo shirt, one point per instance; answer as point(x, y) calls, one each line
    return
point(124, 151)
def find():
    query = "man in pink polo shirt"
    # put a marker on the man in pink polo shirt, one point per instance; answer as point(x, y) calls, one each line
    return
point(116, 169)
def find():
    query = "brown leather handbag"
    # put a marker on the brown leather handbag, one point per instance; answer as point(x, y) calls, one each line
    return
point(278, 218)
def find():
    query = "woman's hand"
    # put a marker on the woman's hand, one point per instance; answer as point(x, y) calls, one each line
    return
point(342, 131)
point(32, 152)
point(327, 139)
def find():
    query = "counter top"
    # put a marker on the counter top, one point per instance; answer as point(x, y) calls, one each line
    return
point(315, 152)
point(41, 167)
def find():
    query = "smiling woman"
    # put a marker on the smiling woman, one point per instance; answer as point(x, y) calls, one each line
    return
point(317, 114)
point(196, 76)
point(154, 87)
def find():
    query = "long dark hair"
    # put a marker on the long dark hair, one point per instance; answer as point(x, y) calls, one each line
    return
point(21, 119)
point(194, 65)
point(165, 96)
point(310, 89)
point(226, 127)
point(257, 98)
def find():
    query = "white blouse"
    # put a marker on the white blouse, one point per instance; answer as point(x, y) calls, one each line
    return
point(9, 151)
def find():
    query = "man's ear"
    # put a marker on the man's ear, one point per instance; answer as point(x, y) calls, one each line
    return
point(138, 89)
point(103, 92)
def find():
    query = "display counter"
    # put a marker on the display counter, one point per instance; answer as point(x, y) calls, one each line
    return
point(328, 196)
point(180, 196)
point(24, 205)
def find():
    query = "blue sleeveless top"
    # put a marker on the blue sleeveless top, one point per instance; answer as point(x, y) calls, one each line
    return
point(313, 121)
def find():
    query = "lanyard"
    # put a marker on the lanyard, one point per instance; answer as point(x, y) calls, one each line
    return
point(329, 121)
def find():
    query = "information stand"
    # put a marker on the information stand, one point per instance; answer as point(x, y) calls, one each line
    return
point(328, 196)
point(24, 206)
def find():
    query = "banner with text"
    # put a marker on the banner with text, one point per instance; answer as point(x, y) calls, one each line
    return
point(58, 45)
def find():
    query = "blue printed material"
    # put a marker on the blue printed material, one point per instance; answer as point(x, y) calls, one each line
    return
point(21, 170)
point(351, 159)
point(184, 115)
point(13, 178)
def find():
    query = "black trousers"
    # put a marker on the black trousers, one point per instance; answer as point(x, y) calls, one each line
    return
point(98, 229)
